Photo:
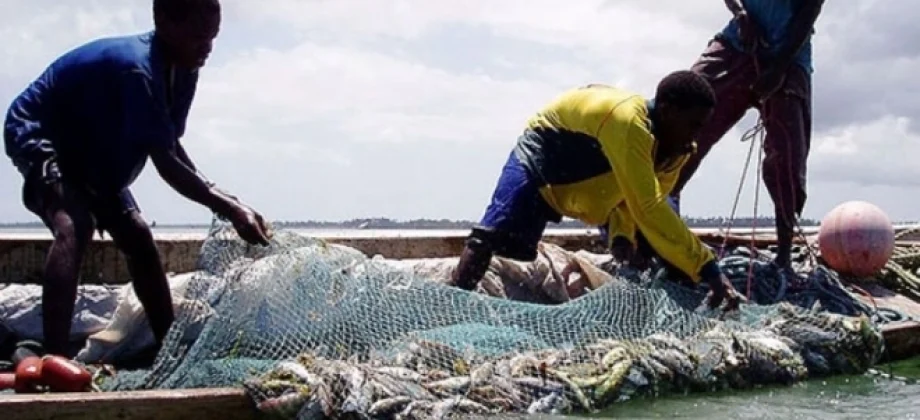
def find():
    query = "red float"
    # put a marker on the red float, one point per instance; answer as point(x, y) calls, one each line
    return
point(856, 238)
point(7, 381)
point(63, 375)
point(28, 375)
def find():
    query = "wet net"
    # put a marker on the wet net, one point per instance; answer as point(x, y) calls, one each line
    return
point(312, 329)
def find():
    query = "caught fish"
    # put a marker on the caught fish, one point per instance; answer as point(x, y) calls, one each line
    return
point(538, 386)
point(524, 364)
point(509, 391)
point(444, 408)
point(435, 375)
point(503, 368)
point(614, 356)
point(553, 403)
point(450, 386)
point(359, 393)
point(481, 374)
point(676, 361)
point(287, 405)
point(400, 373)
point(388, 406)
point(614, 379)
point(416, 410)
point(575, 389)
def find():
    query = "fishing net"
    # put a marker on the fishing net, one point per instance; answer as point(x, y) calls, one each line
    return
point(310, 328)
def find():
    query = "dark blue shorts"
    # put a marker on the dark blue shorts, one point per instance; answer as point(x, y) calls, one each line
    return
point(105, 208)
point(515, 219)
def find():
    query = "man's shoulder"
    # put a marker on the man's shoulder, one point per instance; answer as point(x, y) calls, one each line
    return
point(107, 55)
point(600, 98)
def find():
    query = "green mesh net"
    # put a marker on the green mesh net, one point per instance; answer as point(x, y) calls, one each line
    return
point(312, 329)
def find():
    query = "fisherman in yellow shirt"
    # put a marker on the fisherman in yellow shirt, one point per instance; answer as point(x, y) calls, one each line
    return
point(607, 157)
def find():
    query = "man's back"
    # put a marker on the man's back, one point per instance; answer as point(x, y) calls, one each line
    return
point(92, 104)
point(567, 147)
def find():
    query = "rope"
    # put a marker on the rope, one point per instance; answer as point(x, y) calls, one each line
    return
point(758, 133)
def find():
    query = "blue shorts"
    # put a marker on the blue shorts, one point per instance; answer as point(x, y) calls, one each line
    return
point(106, 209)
point(517, 215)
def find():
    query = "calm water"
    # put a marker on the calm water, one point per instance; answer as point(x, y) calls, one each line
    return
point(855, 397)
point(859, 397)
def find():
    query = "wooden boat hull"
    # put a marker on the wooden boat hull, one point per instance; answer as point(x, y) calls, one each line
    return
point(21, 260)
point(190, 404)
point(22, 256)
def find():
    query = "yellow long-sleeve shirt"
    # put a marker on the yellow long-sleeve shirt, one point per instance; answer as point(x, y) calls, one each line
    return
point(592, 150)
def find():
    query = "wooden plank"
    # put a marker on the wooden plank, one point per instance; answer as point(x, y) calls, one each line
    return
point(187, 404)
point(22, 258)
point(902, 339)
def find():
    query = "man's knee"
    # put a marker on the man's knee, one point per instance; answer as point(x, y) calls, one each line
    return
point(474, 261)
point(480, 241)
point(132, 235)
point(75, 227)
point(68, 217)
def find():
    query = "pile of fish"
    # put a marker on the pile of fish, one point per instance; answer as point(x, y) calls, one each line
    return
point(432, 380)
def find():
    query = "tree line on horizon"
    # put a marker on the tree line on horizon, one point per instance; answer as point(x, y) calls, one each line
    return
point(387, 223)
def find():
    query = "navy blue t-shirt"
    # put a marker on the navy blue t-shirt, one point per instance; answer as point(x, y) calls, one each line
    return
point(101, 108)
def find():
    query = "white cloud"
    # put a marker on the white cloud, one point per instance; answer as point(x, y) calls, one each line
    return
point(330, 109)
point(877, 154)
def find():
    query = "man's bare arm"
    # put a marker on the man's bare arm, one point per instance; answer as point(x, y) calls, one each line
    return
point(183, 156)
point(189, 183)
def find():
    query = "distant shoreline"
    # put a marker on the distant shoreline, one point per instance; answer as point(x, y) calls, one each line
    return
point(426, 224)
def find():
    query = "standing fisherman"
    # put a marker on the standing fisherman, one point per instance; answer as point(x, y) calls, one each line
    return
point(81, 134)
point(762, 59)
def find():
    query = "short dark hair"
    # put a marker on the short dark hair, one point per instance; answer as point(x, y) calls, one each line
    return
point(685, 89)
point(181, 9)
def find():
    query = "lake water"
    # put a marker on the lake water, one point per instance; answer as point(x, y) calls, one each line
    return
point(853, 397)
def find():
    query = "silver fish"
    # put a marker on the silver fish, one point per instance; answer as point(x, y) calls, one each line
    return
point(444, 408)
point(416, 410)
point(388, 406)
point(400, 373)
point(359, 392)
point(451, 386)
point(575, 389)
point(481, 374)
point(296, 369)
point(538, 386)
point(523, 364)
point(553, 403)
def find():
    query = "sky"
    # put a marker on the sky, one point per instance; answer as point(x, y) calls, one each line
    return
point(341, 109)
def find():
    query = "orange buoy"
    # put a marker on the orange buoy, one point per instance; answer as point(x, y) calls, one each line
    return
point(856, 238)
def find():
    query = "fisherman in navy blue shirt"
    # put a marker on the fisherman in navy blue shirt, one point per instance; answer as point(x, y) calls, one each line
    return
point(81, 134)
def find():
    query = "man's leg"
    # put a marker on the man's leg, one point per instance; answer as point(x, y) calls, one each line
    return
point(67, 214)
point(511, 227)
point(787, 119)
point(122, 218)
point(731, 74)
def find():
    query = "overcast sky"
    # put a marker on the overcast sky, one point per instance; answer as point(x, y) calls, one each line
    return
point(337, 109)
